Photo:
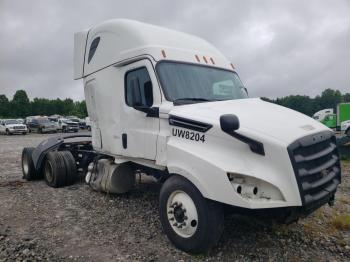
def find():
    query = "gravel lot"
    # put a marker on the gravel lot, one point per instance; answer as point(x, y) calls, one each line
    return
point(75, 223)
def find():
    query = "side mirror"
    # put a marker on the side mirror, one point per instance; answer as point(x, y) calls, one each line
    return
point(229, 123)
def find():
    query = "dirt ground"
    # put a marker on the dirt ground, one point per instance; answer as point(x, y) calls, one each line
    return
point(77, 224)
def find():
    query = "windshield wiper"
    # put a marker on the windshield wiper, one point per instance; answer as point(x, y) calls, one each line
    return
point(189, 100)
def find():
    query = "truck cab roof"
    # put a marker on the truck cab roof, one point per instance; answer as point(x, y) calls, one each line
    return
point(119, 40)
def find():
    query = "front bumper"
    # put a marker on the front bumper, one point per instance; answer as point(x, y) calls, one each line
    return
point(72, 128)
point(18, 131)
point(49, 129)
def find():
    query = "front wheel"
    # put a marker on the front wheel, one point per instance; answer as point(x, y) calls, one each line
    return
point(191, 222)
point(347, 132)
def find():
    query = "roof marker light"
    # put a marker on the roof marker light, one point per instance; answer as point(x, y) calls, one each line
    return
point(233, 67)
point(197, 57)
point(163, 53)
point(212, 60)
point(205, 59)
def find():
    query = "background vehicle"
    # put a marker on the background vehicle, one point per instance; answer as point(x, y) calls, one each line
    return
point(345, 127)
point(331, 119)
point(81, 123)
point(88, 124)
point(66, 125)
point(320, 115)
point(41, 125)
point(170, 105)
point(12, 126)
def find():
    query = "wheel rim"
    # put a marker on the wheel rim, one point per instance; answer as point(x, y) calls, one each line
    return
point(182, 214)
point(25, 165)
point(48, 171)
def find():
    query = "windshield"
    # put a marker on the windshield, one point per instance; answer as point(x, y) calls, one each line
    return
point(11, 122)
point(43, 121)
point(182, 81)
point(74, 120)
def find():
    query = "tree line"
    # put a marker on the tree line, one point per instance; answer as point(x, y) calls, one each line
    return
point(21, 106)
point(304, 104)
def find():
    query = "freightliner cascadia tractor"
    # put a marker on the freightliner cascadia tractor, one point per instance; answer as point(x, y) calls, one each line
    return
point(171, 106)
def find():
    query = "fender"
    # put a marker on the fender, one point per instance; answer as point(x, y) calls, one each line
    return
point(52, 143)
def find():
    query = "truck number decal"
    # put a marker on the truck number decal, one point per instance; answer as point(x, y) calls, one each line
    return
point(188, 135)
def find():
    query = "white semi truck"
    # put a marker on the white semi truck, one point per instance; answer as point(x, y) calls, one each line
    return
point(170, 105)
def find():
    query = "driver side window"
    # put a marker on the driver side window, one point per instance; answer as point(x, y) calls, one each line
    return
point(138, 88)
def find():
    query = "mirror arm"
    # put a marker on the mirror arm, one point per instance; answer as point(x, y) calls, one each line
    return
point(230, 123)
point(150, 111)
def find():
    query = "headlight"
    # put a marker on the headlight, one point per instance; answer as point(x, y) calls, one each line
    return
point(251, 188)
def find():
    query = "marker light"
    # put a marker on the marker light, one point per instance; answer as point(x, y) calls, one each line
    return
point(163, 53)
point(205, 59)
point(197, 58)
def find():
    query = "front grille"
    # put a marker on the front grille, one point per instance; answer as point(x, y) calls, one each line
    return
point(18, 127)
point(316, 164)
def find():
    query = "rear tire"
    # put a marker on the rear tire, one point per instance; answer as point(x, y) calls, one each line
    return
point(71, 167)
point(27, 164)
point(191, 222)
point(55, 169)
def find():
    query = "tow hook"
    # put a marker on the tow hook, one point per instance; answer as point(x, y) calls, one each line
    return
point(331, 201)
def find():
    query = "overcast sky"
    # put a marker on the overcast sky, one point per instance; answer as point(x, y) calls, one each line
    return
point(278, 47)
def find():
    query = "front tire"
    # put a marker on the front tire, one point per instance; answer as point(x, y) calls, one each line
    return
point(347, 132)
point(27, 164)
point(191, 222)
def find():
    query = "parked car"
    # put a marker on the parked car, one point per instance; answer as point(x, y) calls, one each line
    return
point(81, 123)
point(345, 126)
point(41, 125)
point(88, 123)
point(12, 126)
point(67, 125)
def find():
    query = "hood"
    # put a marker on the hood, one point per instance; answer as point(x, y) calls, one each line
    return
point(255, 116)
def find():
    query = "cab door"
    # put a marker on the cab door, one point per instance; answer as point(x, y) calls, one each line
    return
point(140, 110)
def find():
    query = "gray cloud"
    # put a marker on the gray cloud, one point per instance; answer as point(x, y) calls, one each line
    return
point(278, 47)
